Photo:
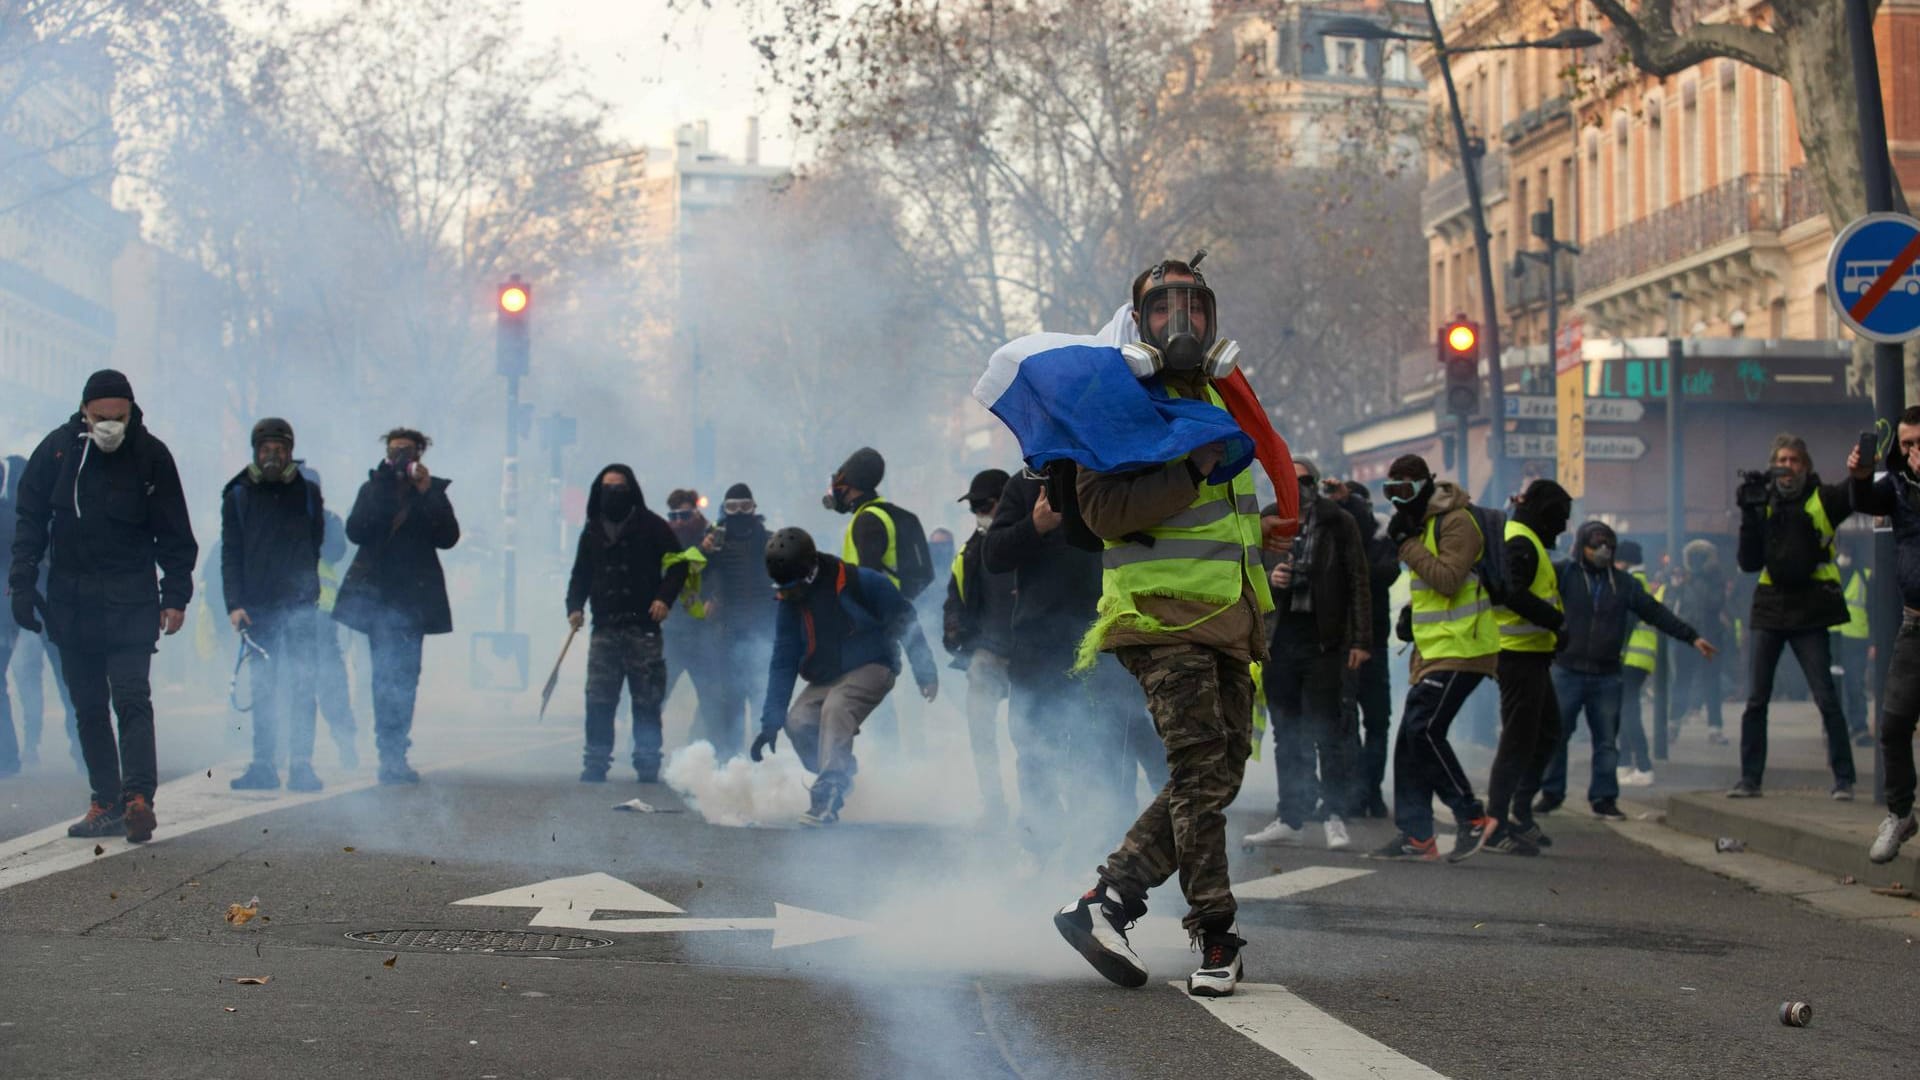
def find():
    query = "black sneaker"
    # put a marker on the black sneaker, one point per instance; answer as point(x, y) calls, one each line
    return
point(647, 772)
point(1745, 789)
point(1865, 738)
point(100, 821)
point(824, 807)
point(398, 772)
point(1096, 926)
point(1530, 832)
point(1609, 810)
point(591, 775)
point(1403, 846)
point(1377, 807)
point(1547, 804)
point(301, 777)
point(259, 776)
point(1219, 971)
point(1507, 841)
point(1470, 837)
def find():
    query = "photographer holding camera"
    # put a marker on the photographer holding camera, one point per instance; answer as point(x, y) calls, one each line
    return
point(1787, 524)
point(395, 592)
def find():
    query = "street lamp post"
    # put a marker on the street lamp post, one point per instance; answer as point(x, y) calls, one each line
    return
point(1470, 172)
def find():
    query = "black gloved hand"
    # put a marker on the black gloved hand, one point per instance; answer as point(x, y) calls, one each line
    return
point(1402, 527)
point(1403, 627)
point(24, 603)
point(767, 740)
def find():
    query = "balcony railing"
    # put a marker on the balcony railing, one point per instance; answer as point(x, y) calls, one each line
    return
point(1446, 197)
point(1740, 207)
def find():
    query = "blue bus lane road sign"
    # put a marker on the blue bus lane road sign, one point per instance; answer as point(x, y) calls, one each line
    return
point(1873, 277)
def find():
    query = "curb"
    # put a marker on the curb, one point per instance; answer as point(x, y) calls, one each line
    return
point(1808, 844)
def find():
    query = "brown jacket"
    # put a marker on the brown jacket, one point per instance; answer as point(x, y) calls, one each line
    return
point(1458, 538)
point(1117, 504)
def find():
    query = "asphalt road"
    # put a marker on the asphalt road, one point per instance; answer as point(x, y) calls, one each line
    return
point(1602, 959)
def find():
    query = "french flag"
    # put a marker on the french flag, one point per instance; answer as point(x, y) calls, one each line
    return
point(1072, 397)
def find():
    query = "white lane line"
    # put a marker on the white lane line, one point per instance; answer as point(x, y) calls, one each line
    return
point(187, 805)
point(1305, 879)
point(1309, 1039)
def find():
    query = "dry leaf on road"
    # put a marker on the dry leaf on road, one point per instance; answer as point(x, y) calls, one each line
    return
point(241, 914)
point(390, 961)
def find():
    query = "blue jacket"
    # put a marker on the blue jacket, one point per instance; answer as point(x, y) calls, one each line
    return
point(849, 618)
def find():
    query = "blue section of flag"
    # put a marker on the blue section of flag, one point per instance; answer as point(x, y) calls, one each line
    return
point(1081, 402)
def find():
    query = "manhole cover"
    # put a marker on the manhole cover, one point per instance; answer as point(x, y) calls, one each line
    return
point(479, 940)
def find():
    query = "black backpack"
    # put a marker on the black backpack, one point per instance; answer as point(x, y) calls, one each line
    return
point(915, 559)
point(1491, 567)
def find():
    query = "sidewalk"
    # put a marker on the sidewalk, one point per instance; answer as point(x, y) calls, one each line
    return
point(1795, 820)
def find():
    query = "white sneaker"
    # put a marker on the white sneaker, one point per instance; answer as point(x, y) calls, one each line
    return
point(1337, 838)
point(1894, 831)
point(1636, 778)
point(1220, 969)
point(1276, 832)
point(1096, 926)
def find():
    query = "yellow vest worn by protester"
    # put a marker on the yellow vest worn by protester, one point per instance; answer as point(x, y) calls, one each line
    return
point(891, 561)
point(1643, 644)
point(1826, 571)
point(1516, 633)
point(1208, 553)
point(690, 597)
point(329, 586)
point(1457, 627)
point(1856, 627)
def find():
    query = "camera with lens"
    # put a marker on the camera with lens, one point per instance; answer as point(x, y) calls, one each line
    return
point(1756, 486)
point(1300, 567)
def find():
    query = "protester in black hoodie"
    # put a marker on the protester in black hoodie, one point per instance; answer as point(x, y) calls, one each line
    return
point(1586, 672)
point(1371, 688)
point(272, 525)
point(28, 650)
point(624, 568)
point(1530, 621)
point(1787, 526)
point(1080, 743)
point(395, 592)
point(102, 492)
point(740, 608)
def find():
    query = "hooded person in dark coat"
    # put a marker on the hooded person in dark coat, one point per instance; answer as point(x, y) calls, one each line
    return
point(28, 650)
point(102, 491)
point(395, 591)
point(741, 608)
point(629, 569)
point(272, 526)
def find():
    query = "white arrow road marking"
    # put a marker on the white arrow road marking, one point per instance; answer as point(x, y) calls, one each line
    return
point(1311, 1040)
point(1294, 882)
point(791, 926)
point(569, 903)
point(585, 893)
point(188, 805)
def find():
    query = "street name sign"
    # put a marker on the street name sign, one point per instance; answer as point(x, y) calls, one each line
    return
point(1873, 277)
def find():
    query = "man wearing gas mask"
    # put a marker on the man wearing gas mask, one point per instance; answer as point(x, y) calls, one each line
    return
point(1600, 600)
point(741, 610)
point(1322, 629)
point(1787, 524)
point(101, 490)
point(395, 591)
point(1184, 593)
point(840, 627)
point(272, 525)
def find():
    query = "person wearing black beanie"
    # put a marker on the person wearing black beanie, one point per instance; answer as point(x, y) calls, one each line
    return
point(105, 606)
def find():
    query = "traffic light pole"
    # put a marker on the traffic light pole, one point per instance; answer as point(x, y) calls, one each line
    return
point(1483, 241)
point(510, 502)
point(1889, 379)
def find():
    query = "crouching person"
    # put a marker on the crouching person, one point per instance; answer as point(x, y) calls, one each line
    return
point(839, 627)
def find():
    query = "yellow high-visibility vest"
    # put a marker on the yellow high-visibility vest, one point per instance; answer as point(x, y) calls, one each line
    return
point(1516, 633)
point(1453, 627)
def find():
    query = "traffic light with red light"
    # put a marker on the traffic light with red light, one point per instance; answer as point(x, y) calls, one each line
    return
point(513, 308)
point(1459, 355)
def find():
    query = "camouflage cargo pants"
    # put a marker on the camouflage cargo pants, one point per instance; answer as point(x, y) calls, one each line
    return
point(629, 656)
point(1202, 706)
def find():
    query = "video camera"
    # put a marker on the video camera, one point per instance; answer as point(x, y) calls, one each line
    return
point(1755, 486)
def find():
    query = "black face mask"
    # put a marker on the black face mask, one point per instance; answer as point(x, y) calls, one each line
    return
point(617, 503)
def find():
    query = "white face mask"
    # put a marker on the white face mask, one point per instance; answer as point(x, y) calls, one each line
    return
point(108, 434)
point(984, 520)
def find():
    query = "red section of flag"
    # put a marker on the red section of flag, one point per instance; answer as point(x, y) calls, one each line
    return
point(1268, 446)
point(1896, 269)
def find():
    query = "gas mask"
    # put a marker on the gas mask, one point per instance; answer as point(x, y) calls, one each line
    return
point(836, 499)
point(108, 434)
point(272, 464)
point(1179, 331)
